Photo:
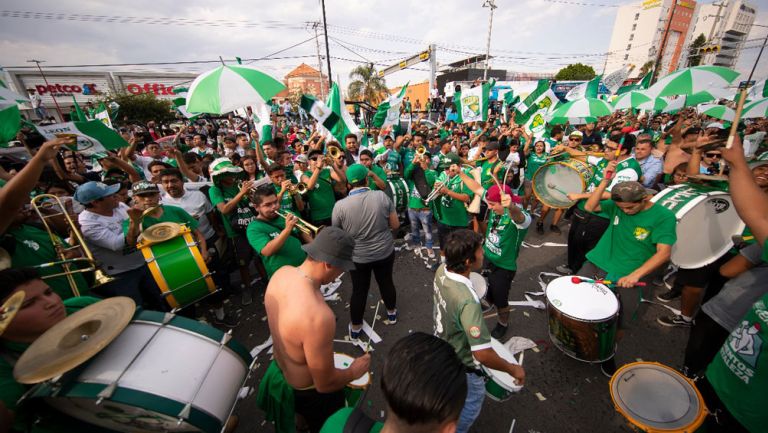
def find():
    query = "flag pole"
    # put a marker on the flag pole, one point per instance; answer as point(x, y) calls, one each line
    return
point(53, 96)
point(327, 48)
point(492, 5)
point(743, 97)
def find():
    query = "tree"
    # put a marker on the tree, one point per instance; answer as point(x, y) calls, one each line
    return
point(140, 108)
point(694, 54)
point(576, 71)
point(647, 66)
point(366, 85)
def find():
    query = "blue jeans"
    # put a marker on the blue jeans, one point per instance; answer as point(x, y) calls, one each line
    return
point(421, 218)
point(473, 404)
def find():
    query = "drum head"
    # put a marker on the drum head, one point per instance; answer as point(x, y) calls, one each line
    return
point(654, 396)
point(503, 379)
point(478, 283)
point(585, 301)
point(553, 181)
point(342, 362)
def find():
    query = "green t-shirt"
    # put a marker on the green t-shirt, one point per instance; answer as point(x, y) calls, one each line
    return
point(336, 422)
point(448, 210)
point(458, 316)
point(533, 162)
point(503, 238)
point(11, 391)
point(415, 201)
point(630, 240)
point(393, 161)
point(260, 233)
point(379, 172)
point(765, 251)
point(286, 201)
point(407, 154)
point(486, 170)
point(171, 214)
point(321, 197)
point(32, 246)
point(442, 162)
point(627, 170)
point(739, 372)
point(242, 215)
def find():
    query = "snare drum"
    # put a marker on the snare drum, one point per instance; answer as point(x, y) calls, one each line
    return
point(553, 181)
point(656, 398)
point(179, 269)
point(479, 284)
point(500, 385)
point(398, 192)
point(354, 390)
point(706, 222)
point(582, 319)
point(182, 376)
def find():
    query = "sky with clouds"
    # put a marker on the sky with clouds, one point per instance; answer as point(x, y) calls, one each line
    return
point(528, 35)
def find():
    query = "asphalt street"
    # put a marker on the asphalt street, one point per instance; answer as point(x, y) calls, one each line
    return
point(561, 394)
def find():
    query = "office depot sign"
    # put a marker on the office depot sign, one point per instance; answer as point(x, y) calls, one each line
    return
point(159, 89)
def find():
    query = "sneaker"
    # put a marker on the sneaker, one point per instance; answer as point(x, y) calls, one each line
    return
point(354, 335)
point(417, 251)
point(391, 318)
point(608, 368)
point(555, 229)
point(499, 331)
point(407, 238)
point(564, 269)
point(669, 295)
point(540, 228)
point(675, 320)
point(431, 253)
point(229, 320)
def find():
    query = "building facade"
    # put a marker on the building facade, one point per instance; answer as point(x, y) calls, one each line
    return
point(725, 25)
point(304, 79)
point(642, 29)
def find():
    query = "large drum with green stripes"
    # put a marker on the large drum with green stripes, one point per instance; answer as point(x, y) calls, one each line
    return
point(163, 373)
point(553, 181)
point(706, 223)
point(500, 385)
point(398, 192)
point(354, 390)
point(177, 267)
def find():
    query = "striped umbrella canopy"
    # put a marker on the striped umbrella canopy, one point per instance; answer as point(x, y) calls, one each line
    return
point(580, 110)
point(631, 100)
point(227, 88)
point(717, 111)
point(675, 105)
point(707, 96)
point(755, 110)
point(656, 104)
point(689, 81)
point(7, 95)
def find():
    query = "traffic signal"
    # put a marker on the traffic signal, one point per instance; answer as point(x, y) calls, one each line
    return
point(709, 49)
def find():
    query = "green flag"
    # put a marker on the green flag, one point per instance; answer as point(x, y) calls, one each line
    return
point(102, 114)
point(320, 112)
point(388, 112)
point(584, 90)
point(335, 102)
point(78, 115)
point(644, 83)
point(541, 88)
point(10, 122)
point(472, 104)
point(93, 136)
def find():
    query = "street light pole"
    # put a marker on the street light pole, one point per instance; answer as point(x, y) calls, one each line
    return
point(327, 49)
point(56, 103)
point(489, 4)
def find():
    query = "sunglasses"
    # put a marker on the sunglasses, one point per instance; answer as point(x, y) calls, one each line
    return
point(712, 155)
point(574, 139)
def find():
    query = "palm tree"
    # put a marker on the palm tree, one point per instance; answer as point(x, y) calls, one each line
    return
point(366, 85)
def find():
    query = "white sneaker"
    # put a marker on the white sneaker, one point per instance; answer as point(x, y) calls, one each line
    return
point(417, 251)
point(563, 269)
point(430, 253)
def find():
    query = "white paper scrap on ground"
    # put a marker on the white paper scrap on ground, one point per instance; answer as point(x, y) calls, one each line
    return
point(518, 344)
point(256, 350)
point(535, 304)
point(371, 333)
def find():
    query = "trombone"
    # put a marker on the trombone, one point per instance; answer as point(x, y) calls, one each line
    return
point(435, 192)
point(45, 201)
point(302, 225)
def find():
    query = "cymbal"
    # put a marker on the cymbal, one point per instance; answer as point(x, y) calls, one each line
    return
point(161, 232)
point(74, 340)
point(11, 307)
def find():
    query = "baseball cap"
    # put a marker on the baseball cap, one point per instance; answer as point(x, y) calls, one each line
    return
point(576, 134)
point(144, 187)
point(717, 125)
point(91, 191)
point(628, 192)
point(301, 158)
point(493, 145)
point(223, 165)
point(334, 246)
point(494, 194)
point(356, 173)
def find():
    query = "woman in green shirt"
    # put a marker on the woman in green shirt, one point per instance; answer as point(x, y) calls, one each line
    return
point(534, 160)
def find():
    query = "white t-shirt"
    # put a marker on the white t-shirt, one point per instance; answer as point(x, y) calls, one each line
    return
point(106, 240)
point(197, 205)
point(513, 159)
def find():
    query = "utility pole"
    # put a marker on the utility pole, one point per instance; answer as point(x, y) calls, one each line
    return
point(657, 66)
point(56, 103)
point(714, 26)
point(327, 47)
point(315, 25)
point(489, 4)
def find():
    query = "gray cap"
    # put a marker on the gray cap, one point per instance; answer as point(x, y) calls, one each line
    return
point(628, 192)
point(334, 246)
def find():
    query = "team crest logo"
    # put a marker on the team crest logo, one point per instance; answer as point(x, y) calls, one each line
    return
point(545, 103)
point(641, 234)
point(31, 244)
point(493, 238)
point(746, 342)
point(538, 120)
point(474, 332)
point(470, 106)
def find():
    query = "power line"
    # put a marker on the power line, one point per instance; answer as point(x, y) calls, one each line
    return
point(573, 3)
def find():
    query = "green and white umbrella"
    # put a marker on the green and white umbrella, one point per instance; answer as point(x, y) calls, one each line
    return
point(717, 111)
point(10, 121)
point(674, 105)
point(707, 96)
point(655, 105)
point(693, 80)
point(755, 110)
point(227, 88)
point(631, 100)
point(7, 95)
point(580, 110)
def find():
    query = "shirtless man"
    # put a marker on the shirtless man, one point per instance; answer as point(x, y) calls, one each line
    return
point(302, 327)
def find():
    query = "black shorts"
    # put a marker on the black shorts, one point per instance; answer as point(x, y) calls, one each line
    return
point(703, 276)
point(243, 250)
point(317, 407)
point(499, 283)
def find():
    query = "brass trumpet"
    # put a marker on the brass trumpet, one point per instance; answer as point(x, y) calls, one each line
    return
point(333, 154)
point(300, 188)
point(435, 193)
point(302, 225)
point(46, 201)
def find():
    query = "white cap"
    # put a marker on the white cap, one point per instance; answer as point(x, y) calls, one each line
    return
point(717, 125)
point(576, 134)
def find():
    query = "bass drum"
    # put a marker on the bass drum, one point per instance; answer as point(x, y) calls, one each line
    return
point(553, 181)
point(398, 192)
point(158, 375)
point(706, 222)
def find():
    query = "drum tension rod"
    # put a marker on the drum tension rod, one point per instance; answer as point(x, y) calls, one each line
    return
point(185, 412)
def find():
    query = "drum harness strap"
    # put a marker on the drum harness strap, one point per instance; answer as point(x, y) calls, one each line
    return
point(358, 422)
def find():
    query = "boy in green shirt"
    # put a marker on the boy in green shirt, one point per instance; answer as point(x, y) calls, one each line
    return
point(420, 176)
point(376, 174)
point(290, 200)
point(320, 181)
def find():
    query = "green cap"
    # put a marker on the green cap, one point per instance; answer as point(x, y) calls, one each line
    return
point(356, 173)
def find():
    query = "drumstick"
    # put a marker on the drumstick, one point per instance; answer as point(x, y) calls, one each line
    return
point(577, 280)
point(553, 186)
point(375, 315)
point(609, 174)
